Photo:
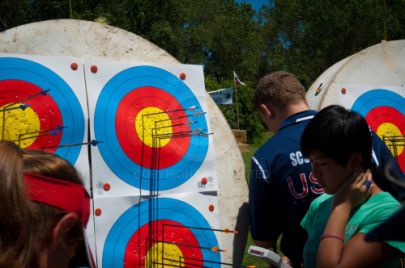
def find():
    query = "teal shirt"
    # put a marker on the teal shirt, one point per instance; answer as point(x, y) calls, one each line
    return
point(370, 214)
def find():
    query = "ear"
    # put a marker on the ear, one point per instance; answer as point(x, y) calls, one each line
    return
point(266, 111)
point(62, 230)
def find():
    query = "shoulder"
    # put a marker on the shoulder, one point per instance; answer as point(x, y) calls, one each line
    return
point(375, 210)
point(380, 202)
point(322, 200)
point(382, 206)
point(320, 204)
point(318, 211)
point(279, 152)
point(269, 150)
point(384, 199)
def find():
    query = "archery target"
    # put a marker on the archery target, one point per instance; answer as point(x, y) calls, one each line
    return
point(39, 110)
point(164, 231)
point(145, 118)
point(317, 91)
point(384, 111)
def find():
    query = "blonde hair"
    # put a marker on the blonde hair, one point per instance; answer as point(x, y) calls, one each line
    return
point(279, 89)
point(25, 225)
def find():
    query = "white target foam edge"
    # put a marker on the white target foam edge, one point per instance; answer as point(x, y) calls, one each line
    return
point(378, 66)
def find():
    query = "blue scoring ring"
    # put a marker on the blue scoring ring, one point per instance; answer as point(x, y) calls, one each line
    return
point(376, 98)
point(61, 93)
point(168, 209)
point(105, 121)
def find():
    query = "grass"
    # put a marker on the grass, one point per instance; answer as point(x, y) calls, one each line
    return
point(248, 259)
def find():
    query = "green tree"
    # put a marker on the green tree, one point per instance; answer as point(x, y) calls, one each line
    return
point(219, 34)
point(307, 36)
point(304, 37)
point(14, 13)
point(249, 119)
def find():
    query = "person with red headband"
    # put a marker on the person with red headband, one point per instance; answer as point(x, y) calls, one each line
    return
point(44, 207)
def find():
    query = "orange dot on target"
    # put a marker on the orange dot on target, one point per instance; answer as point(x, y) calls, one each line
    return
point(74, 66)
point(106, 186)
point(343, 91)
point(211, 207)
point(204, 181)
point(183, 76)
point(98, 211)
point(93, 68)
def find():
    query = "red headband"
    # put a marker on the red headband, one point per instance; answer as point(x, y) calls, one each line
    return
point(58, 193)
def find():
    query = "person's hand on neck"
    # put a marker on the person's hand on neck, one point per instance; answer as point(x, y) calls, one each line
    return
point(354, 190)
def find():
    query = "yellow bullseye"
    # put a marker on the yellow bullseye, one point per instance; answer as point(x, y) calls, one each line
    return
point(19, 125)
point(164, 255)
point(153, 127)
point(388, 130)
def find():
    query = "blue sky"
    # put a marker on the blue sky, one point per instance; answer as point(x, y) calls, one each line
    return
point(255, 3)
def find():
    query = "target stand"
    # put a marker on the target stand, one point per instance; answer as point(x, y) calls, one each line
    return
point(88, 78)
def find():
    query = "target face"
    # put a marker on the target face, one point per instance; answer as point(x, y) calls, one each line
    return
point(38, 108)
point(161, 232)
point(384, 111)
point(145, 120)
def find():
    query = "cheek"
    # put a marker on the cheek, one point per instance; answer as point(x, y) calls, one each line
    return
point(331, 186)
point(325, 175)
point(332, 180)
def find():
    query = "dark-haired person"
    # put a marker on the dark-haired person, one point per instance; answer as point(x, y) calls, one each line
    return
point(338, 143)
point(43, 209)
point(281, 183)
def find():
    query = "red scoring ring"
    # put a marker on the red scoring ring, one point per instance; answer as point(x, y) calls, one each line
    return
point(44, 106)
point(139, 244)
point(385, 114)
point(131, 144)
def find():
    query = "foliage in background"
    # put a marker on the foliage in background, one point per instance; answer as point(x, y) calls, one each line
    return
point(247, 157)
point(248, 117)
point(304, 37)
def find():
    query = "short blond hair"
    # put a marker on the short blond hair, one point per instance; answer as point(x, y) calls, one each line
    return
point(279, 89)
